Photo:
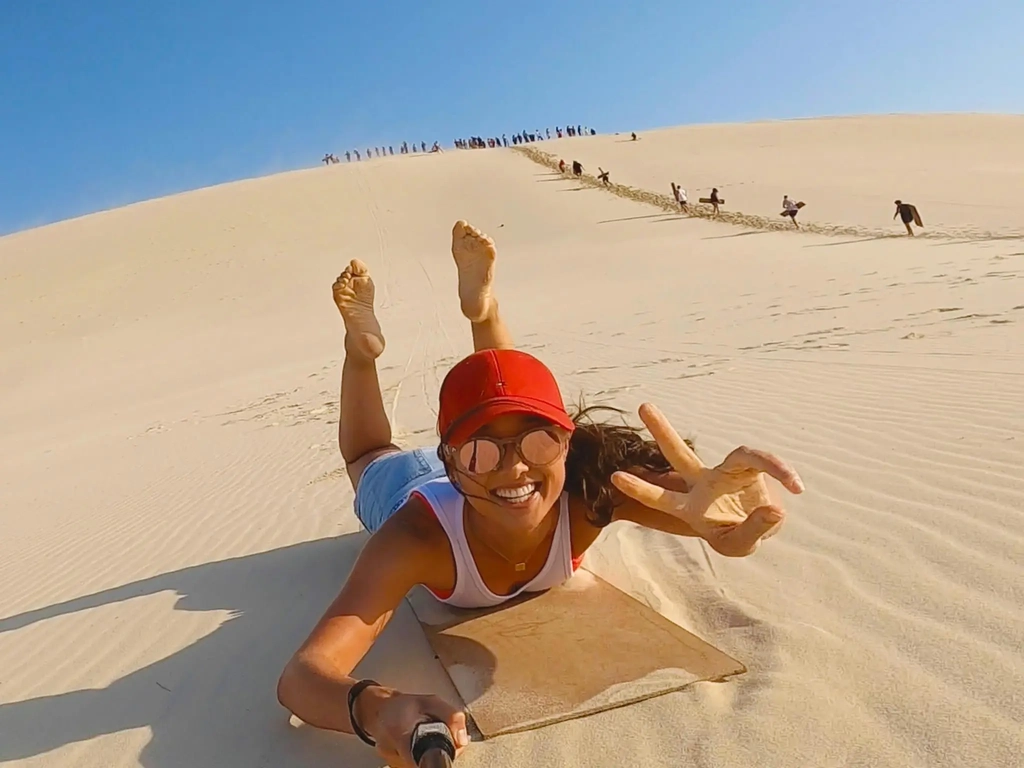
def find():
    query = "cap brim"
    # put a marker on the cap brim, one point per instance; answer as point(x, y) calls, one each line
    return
point(479, 417)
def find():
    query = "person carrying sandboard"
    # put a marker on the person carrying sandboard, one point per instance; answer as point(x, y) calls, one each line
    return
point(680, 195)
point(908, 213)
point(791, 209)
point(714, 201)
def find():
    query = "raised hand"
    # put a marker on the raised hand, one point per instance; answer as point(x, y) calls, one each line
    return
point(729, 505)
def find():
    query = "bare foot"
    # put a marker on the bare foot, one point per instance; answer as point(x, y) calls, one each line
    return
point(474, 254)
point(353, 293)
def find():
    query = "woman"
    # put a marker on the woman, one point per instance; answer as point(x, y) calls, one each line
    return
point(512, 498)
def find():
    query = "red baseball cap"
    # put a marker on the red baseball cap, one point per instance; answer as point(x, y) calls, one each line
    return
point(493, 383)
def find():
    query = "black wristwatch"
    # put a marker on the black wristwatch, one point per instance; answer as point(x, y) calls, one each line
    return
point(353, 694)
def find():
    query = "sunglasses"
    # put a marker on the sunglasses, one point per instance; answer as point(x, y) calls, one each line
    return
point(480, 455)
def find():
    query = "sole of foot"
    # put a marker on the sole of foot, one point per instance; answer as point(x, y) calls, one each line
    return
point(474, 254)
point(353, 293)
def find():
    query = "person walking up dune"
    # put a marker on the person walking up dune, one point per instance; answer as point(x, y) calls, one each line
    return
point(908, 214)
point(791, 209)
point(680, 195)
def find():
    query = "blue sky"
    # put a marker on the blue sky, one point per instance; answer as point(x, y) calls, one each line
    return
point(107, 102)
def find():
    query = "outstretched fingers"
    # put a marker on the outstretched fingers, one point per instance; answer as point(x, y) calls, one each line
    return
point(679, 454)
point(742, 539)
point(648, 494)
point(744, 459)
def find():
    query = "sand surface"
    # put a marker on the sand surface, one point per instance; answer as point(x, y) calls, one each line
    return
point(174, 517)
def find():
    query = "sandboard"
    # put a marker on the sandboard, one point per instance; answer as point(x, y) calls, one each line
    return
point(576, 650)
point(917, 216)
point(798, 207)
point(721, 201)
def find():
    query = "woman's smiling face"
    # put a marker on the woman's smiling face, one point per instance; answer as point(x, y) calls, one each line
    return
point(524, 461)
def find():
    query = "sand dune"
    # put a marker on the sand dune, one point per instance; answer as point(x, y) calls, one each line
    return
point(175, 517)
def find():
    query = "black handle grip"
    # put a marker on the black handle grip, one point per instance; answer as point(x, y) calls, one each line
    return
point(432, 745)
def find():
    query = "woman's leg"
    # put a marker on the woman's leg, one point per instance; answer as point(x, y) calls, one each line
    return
point(364, 432)
point(474, 254)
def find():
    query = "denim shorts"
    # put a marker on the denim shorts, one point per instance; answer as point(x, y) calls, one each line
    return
point(389, 480)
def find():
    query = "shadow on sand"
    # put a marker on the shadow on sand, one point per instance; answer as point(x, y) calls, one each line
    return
point(213, 703)
point(634, 218)
point(989, 239)
point(854, 242)
point(738, 234)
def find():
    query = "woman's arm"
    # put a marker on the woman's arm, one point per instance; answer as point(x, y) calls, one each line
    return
point(315, 683)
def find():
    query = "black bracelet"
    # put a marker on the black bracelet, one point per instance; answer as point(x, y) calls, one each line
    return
point(353, 694)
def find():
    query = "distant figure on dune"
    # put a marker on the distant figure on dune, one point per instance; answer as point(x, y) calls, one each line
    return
point(908, 214)
point(348, 157)
point(558, 132)
point(326, 160)
point(633, 135)
point(603, 176)
point(791, 209)
point(577, 169)
point(436, 148)
point(358, 156)
point(561, 166)
point(680, 195)
point(593, 132)
point(391, 150)
point(714, 201)
point(423, 146)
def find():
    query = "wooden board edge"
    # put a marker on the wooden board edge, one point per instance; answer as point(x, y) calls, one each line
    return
point(525, 727)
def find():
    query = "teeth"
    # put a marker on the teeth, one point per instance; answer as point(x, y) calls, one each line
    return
point(515, 494)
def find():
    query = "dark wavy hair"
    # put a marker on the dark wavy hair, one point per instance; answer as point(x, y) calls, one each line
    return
point(597, 450)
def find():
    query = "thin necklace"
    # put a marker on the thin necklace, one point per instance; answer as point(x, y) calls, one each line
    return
point(519, 567)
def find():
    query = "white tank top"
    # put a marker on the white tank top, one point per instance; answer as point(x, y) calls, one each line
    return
point(470, 590)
